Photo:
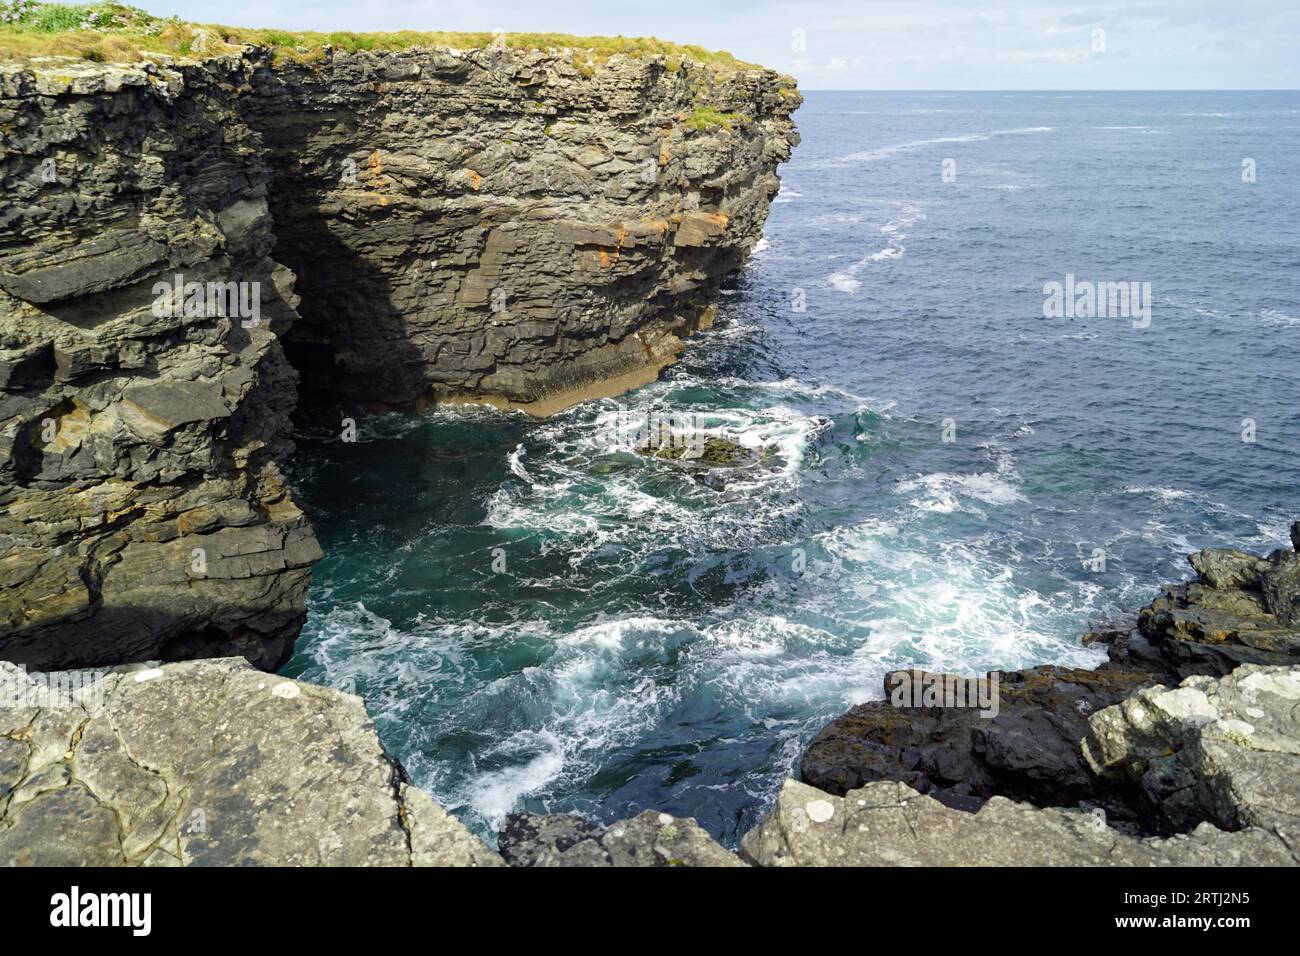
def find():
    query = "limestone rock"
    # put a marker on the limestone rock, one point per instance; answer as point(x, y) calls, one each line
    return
point(505, 224)
point(1223, 750)
point(143, 514)
point(1241, 609)
point(648, 839)
point(206, 763)
point(890, 824)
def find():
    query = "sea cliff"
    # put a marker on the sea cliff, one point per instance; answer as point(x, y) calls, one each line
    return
point(189, 244)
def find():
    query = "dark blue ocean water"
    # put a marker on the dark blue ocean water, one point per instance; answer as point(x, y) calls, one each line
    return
point(650, 643)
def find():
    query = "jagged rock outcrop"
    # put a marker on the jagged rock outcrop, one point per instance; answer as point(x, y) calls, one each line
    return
point(206, 763)
point(890, 824)
point(648, 839)
point(526, 227)
point(144, 512)
point(1239, 609)
point(1225, 750)
point(1028, 751)
point(521, 226)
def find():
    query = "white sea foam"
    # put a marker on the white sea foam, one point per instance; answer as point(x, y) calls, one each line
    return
point(947, 606)
point(945, 493)
point(494, 794)
point(846, 281)
point(1160, 493)
point(885, 152)
point(1278, 318)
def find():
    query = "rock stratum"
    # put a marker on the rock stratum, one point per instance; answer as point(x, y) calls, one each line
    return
point(186, 246)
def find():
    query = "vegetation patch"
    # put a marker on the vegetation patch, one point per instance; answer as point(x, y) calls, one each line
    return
point(707, 118)
point(115, 32)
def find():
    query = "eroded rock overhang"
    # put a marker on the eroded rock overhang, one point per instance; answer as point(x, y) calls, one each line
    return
point(523, 228)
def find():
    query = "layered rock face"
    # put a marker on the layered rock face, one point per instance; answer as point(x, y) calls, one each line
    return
point(144, 396)
point(526, 228)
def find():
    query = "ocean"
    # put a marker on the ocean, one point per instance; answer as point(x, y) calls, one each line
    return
point(540, 618)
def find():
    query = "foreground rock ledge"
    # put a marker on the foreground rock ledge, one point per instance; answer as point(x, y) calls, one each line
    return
point(211, 763)
point(890, 824)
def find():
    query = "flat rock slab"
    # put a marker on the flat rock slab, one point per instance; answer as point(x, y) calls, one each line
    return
point(207, 763)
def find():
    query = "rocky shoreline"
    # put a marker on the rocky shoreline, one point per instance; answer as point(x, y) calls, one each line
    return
point(518, 227)
point(214, 763)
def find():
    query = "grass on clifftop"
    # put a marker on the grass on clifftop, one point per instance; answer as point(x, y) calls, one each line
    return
point(114, 33)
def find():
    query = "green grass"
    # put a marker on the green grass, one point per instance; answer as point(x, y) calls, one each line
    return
point(57, 16)
point(119, 33)
point(707, 118)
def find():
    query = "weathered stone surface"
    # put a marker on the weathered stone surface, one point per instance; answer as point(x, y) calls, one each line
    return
point(209, 763)
point(1223, 750)
point(648, 839)
point(890, 824)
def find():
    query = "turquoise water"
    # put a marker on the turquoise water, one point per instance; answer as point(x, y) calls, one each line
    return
point(539, 617)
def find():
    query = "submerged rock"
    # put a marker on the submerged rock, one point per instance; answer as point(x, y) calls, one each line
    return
point(713, 452)
point(206, 763)
point(648, 839)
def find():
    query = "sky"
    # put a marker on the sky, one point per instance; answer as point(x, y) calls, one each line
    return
point(876, 44)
